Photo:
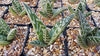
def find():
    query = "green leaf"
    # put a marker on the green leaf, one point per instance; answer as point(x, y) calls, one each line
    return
point(87, 14)
point(59, 28)
point(38, 43)
point(4, 28)
point(70, 9)
point(11, 34)
point(12, 11)
point(4, 43)
point(17, 7)
point(49, 10)
point(22, 13)
point(84, 26)
point(38, 25)
point(2, 37)
point(81, 40)
point(43, 14)
point(58, 11)
point(93, 40)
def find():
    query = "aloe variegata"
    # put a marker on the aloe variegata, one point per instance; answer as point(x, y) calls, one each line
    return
point(48, 11)
point(88, 37)
point(82, 8)
point(6, 35)
point(45, 37)
point(16, 9)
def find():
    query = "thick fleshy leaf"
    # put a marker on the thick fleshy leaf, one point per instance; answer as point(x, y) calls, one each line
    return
point(2, 37)
point(38, 43)
point(59, 28)
point(98, 4)
point(73, 1)
point(87, 14)
point(38, 25)
point(43, 14)
point(4, 28)
point(12, 11)
point(81, 40)
point(22, 13)
point(11, 34)
point(84, 26)
point(49, 10)
point(4, 43)
point(93, 40)
point(70, 9)
point(58, 11)
point(17, 6)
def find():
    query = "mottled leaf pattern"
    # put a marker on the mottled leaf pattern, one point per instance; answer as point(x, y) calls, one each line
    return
point(44, 36)
point(4, 32)
point(58, 11)
point(16, 8)
point(88, 37)
point(11, 34)
point(82, 8)
point(59, 27)
point(4, 28)
point(48, 11)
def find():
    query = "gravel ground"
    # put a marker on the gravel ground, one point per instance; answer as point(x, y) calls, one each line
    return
point(56, 49)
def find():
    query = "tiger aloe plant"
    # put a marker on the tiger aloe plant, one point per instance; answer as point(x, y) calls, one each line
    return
point(46, 37)
point(48, 11)
point(6, 35)
point(88, 37)
point(73, 1)
point(82, 8)
point(16, 9)
point(97, 2)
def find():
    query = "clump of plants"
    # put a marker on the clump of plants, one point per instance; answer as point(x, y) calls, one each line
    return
point(16, 9)
point(88, 37)
point(97, 2)
point(82, 8)
point(6, 35)
point(46, 37)
point(73, 1)
point(48, 11)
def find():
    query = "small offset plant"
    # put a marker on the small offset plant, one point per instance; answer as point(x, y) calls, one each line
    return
point(6, 35)
point(73, 1)
point(97, 2)
point(48, 11)
point(82, 8)
point(46, 37)
point(16, 9)
point(88, 37)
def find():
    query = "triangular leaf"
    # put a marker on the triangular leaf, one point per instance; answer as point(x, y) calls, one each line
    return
point(59, 27)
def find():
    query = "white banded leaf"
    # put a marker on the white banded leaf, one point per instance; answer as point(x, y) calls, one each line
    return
point(4, 28)
point(59, 28)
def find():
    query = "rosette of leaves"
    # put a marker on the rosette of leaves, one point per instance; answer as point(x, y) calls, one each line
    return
point(88, 37)
point(73, 1)
point(97, 2)
point(48, 11)
point(46, 37)
point(82, 8)
point(6, 35)
point(16, 9)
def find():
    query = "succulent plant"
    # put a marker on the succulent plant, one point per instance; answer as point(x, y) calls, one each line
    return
point(16, 9)
point(46, 37)
point(48, 11)
point(88, 37)
point(82, 8)
point(6, 35)
point(73, 1)
point(97, 2)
